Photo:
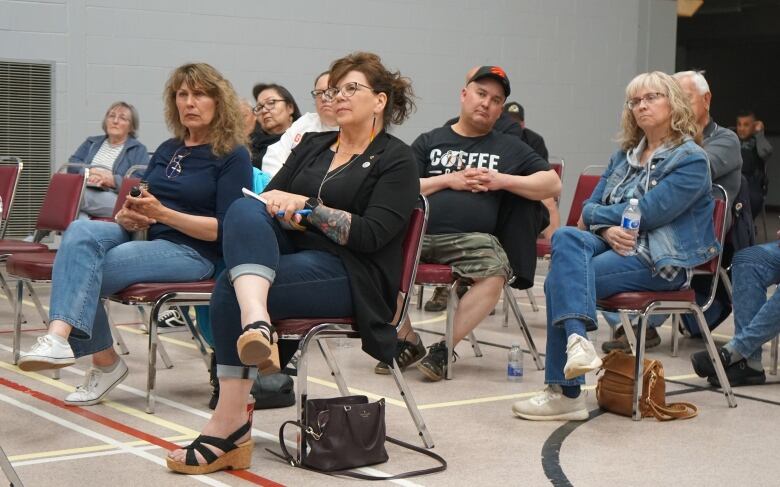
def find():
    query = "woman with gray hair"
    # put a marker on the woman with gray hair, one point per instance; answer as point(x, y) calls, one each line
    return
point(109, 157)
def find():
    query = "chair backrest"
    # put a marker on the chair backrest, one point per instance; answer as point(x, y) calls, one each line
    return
point(10, 170)
point(412, 247)
point(585, 186)
point(719, 224)
point(62, 201)
point(124, 190)
point(557, 165)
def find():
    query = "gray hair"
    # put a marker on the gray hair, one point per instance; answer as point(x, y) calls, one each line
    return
point(698, 79)
point(134, 122)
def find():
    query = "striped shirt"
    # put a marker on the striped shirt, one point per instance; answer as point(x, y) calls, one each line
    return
point(106, 155)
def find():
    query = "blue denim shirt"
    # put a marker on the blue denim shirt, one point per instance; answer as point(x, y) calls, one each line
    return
point(676, 207)
point(133, 153)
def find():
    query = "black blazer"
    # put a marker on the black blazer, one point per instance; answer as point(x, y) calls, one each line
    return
point(385, 192)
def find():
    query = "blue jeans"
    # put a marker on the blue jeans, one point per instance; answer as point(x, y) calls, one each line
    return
point(756, 319)
point(97, 259)
point(304, 283)
point(583, 269)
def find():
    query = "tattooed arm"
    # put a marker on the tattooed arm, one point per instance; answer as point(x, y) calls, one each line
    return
point(335, 224)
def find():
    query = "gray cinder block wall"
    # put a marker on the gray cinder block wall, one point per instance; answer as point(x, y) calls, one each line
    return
point(568, 60)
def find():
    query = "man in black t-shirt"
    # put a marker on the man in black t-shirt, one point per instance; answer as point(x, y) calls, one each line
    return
point(466, 170)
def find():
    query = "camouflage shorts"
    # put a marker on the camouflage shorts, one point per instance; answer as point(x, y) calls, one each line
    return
point(471, 255)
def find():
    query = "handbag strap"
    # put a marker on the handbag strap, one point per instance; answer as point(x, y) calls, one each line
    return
point(668, 412)
point(287, 457)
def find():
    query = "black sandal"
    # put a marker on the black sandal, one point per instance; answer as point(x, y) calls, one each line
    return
point(234, 457)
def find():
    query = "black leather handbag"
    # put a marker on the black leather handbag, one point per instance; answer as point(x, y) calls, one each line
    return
point(348, 432)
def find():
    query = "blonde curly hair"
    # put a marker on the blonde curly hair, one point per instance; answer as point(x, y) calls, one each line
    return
point(227, 127)
point(682, 122)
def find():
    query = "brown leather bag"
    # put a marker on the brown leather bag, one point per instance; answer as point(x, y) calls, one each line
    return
point(615, 389)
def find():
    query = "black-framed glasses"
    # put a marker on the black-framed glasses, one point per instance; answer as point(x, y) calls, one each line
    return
point(649, 98)
point(268, 105)
point(173, 169)
point(321, 94)
point(347, 90)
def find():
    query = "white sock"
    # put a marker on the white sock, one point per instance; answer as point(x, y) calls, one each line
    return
point(58, 339)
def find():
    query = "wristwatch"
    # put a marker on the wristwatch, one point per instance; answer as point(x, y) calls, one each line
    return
point(311, 203)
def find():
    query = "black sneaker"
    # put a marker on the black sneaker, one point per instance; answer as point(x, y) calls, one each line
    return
point(704, 367)
point(406, 354)
point(434, 365)
point(438, 301)
point(170, 319)
point(740, 374)
point(652, 339)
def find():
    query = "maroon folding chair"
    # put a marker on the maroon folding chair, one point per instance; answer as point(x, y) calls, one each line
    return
point(157, 296)
point(558, 166)
point(10, 170)
point(36, 267)
point(586, 183)
point(310, 330)
point(646, 303)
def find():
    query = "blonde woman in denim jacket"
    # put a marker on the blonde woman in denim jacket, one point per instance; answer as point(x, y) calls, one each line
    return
point(661, 165)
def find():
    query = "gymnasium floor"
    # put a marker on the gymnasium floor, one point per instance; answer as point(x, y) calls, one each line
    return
point(116, 443)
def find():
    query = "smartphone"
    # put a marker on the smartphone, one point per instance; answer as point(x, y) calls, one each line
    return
point(252, 194)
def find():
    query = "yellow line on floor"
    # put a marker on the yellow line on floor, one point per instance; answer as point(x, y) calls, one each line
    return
point(371, 395)
point(150, 418)
point(163, 338)
point(89, 449)
point(440, 317)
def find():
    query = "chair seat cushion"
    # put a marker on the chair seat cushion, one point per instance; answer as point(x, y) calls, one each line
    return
point(35, 266)
point(433, 274)
point(640, 300)
point(14, 246)
point(147, 292)
point(543, 247)
point(301, 326)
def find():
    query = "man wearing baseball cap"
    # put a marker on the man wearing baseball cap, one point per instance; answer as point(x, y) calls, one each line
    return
point(484, 189)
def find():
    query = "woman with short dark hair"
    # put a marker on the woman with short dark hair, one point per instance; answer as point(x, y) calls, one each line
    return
point(275, 111)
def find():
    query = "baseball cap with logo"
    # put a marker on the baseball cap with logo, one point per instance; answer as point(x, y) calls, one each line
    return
point(515, 109)
point(494, 72)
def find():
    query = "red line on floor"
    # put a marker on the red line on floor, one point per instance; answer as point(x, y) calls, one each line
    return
point(243, 474)
point(25, 330)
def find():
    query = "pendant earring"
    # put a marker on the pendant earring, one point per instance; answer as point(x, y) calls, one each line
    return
point(373, 128)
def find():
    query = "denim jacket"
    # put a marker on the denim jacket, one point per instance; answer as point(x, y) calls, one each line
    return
point(676, 207)
point(133, 153)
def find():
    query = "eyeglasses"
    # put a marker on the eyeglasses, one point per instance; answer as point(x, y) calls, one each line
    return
point(347, 90)
point(117, 117)
point(321, 94)
point(649, 98)
point(173, 169)
point(268, 105)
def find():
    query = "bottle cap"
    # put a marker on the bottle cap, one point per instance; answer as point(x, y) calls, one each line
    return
point(633, 201)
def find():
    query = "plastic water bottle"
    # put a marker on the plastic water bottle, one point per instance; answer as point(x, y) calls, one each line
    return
point(135, 192)
point(630, 221)
point(514, 368)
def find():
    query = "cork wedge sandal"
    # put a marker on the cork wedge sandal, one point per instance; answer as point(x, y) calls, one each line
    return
point(234, 457)
point(257, 347)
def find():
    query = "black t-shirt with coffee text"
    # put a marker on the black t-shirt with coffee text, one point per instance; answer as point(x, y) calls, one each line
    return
point(441, 151)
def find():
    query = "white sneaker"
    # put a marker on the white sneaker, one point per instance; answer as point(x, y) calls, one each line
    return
point(550, 405)
point(582, 357)
point(97, 384)
point(47, 353)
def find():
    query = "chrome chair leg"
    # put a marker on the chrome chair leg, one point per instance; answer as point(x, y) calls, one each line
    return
point(509, 297)
point(450, 330)
point(335, 371)
point(411, 405)
point(714, 357)
point(636, 412)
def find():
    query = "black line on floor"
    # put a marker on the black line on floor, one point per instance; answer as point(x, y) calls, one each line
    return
point(718, 391)
point(551, 450)
point(490, 344)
